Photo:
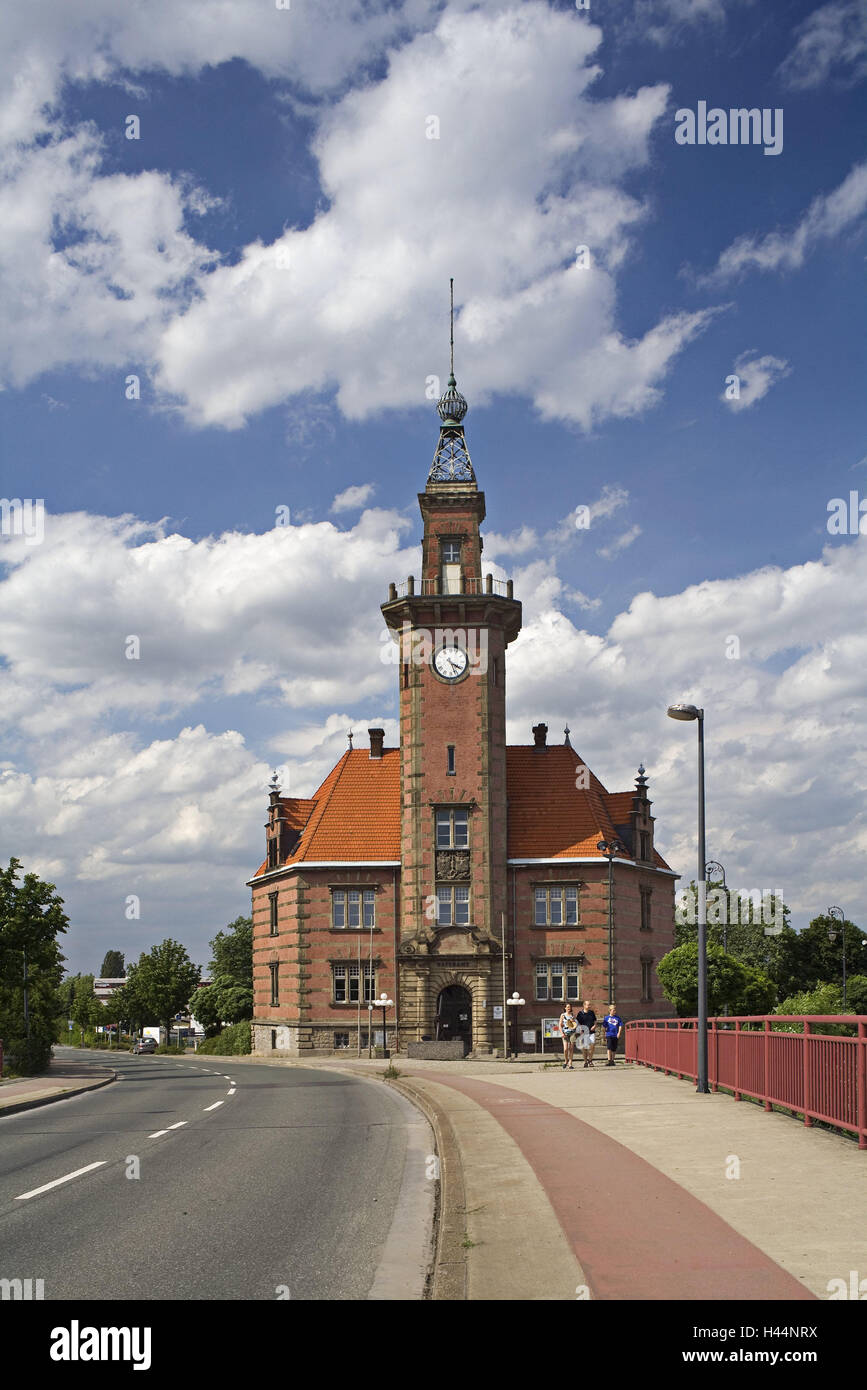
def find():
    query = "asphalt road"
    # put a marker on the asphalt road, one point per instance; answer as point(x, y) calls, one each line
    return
point(255, 1182)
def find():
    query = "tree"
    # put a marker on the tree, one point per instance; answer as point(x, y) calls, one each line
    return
point(856, 994)
point(162, 981)
point(31, 966)
point(730, 983)
point(738, 922)
point(112, 966)
point(86, 1010)
point(821, 960)
point(233, 953)
point(822, 999)
point(223, 1001)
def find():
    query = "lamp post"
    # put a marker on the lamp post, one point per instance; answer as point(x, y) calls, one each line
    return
point(516, 1001)
point(712, 869)
point(682, 711)
point(838, 915)
point(383, 1002)
point(609, 848)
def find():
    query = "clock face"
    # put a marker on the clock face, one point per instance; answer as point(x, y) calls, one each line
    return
point(450, 663)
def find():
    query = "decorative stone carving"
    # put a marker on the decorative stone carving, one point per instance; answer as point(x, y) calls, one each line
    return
point(453, 864)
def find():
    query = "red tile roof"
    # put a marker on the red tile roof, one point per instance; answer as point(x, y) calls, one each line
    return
point(355, 814)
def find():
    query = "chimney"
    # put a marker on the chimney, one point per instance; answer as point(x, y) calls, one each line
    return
point(540, 734)
point(376, 740)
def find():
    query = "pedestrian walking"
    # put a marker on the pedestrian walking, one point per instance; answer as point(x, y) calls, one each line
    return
point(587, 1032)
point(613, 1025)
point(568, 1029)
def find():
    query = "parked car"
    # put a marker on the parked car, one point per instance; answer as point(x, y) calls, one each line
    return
point(145, 1045)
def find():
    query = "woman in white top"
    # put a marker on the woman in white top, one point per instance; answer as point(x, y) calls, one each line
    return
point(568, 1030)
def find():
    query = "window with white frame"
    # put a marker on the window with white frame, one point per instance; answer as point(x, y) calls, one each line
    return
point(450, 558)
point(353, 907)
point(346, 980)
point(453, 828)
point(453, 904)
point(556, 905)
point(557, 979)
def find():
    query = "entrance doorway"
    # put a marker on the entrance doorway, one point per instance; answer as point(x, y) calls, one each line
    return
point(455, 1015)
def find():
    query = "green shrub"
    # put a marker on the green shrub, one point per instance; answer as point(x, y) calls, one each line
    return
point(232, 1042)
point(165, 1050)
point(26, 1057)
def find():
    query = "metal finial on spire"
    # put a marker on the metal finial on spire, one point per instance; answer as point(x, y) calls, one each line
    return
point(350, 737)
point(452, 326)
point(452, 462)
point(566, 732)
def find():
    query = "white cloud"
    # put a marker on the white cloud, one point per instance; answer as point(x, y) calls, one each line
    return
point(756, 376)
point(827, 216)
point(830, 41)
point(619, 544)
point(353, 497)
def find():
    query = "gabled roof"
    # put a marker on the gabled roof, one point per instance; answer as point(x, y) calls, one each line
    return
point(355, 814)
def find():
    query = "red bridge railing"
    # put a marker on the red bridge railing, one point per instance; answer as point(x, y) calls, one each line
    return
point(818, 1076)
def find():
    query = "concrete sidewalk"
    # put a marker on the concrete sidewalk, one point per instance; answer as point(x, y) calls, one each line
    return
point(62, 1080)
point(623, 1183)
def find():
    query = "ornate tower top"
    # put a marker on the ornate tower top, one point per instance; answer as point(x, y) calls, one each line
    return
point(452, 462)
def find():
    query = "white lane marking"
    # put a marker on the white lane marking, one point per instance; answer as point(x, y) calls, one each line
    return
point(158, 1134)
point(214, 1106)
point(25, 1196)
point(232, 1091)
point(178, 1125)
point(226, 1078)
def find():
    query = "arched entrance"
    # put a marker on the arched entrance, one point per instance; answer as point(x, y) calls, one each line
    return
point(454, 1017)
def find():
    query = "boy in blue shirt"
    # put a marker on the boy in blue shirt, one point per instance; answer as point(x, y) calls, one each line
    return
point(613, 1025)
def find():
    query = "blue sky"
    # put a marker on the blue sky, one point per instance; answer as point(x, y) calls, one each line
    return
point(271, 259)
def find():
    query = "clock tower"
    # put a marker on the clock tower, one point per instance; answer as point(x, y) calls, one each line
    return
point(452, 627)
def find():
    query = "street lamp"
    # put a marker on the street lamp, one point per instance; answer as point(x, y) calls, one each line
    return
point(682, 711)
point(714, 872)
point(516, 1001)
point(383, 1002)
point(609, 848)
point(838, 915)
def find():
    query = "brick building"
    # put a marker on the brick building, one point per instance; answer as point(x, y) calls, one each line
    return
point(453, 871)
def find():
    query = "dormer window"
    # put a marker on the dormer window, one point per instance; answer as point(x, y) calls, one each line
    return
point(450, 564)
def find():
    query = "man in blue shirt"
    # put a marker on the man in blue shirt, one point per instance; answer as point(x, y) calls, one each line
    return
point(613, 1025)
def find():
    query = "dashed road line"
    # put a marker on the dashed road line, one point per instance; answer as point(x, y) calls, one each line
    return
point(158, 1134)
point(25, 1196)
point(214, 1106)
point(178, 1125)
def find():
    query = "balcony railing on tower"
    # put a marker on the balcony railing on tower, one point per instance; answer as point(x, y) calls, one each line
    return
point(470, 584)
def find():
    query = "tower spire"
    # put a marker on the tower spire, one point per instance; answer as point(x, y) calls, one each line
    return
point(452, 463)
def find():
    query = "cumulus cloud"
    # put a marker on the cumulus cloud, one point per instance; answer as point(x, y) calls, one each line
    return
point(619, 544)
point(827, 217)
point(756, 376)
point(353, 497)
point(832, 41)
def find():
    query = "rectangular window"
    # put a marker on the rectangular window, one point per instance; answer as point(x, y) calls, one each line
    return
point(644, 837)
point(275, 982)
point(451, 552)
point(647, 980)
point(453, 829)
point(450, 562)
point(556, 980)
point(453, 904)
point(450, 751)
point(556, 905)
point(272, 906)
point(646, 909)
point(346, 981)
point(272, 853)
point(341, 1041)
point(353, 907)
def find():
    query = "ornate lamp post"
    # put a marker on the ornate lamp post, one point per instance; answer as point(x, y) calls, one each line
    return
point(714, 872)
point(516, 1001)
point(839, 916)
point(609, 848)
point(681, 711)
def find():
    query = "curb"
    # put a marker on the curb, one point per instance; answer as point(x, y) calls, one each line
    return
point(16, 1108)
point(449, 1278)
